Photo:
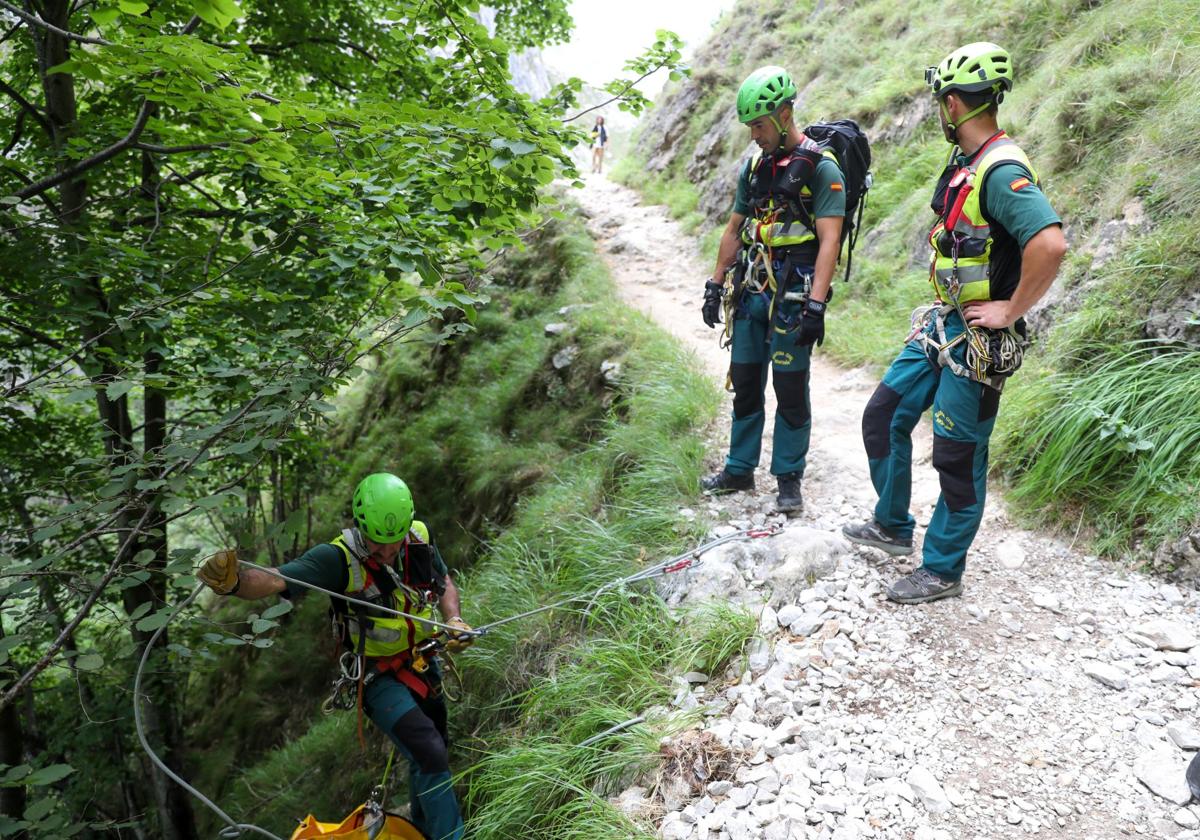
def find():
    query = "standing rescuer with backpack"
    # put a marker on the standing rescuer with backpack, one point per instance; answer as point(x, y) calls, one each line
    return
point(388, 560)
point(997, 245)
point(784, 235)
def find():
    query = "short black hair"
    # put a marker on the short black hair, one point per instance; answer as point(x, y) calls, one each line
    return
point(974, 100)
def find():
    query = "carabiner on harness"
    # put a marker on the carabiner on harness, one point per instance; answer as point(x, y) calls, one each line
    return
point(343, 695)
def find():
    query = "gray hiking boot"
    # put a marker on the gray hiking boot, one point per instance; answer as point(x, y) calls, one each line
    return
point(921, 586)
point(789, 499)
point(727, 482)
point(875, 535)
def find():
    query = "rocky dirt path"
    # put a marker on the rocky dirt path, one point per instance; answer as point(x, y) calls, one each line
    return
point(1057, 698)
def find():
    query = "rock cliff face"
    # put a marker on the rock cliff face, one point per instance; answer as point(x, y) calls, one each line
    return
point(529, 73)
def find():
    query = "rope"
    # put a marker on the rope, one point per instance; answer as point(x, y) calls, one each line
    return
point(387, 769)
point(612, 730)
point(427, 622)
point(235, 828)
point(674, 564)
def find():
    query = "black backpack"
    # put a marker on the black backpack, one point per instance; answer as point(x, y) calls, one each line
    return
point(853, 152)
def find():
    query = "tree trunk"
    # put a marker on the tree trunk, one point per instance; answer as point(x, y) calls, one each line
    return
point(160, 710)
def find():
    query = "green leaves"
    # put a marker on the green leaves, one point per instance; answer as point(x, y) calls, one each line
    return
point(89, 662)
point(282, 608)
point(219, 13)
point(23, 775)
point(103, 16)
point(156, 621)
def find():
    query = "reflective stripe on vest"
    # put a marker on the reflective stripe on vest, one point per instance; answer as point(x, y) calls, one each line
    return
point(386, 635)
point(969, 278)
point(778, 234)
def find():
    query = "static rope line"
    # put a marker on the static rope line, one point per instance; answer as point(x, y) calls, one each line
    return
point(674, 564)
point(612, 730)
point(426, 622)
point(235, 828)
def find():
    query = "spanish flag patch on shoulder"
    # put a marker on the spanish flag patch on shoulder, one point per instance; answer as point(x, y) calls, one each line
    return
point(1020, 184)
point(835, 187)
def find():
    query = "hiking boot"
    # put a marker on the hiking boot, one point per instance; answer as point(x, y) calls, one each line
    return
point(789, 499)
point(875, 535)
point(921, 586)
point(727, 482)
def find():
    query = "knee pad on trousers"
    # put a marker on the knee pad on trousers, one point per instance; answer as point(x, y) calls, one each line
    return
point(989, 404)
point(421, 738)
point(877, 421)
point(954, 461)
point(790, 396)
point(747, 388)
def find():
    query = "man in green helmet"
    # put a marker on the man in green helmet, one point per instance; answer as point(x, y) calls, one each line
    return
point(388, 559)
point(784, 234)
point(997, 245)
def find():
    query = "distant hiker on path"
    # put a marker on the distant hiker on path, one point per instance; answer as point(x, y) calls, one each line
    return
point(784, 236)
point(997, 245)
point(599, 143)
point(387, 560)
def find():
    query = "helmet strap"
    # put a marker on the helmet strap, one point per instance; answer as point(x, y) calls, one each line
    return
point(954, 126)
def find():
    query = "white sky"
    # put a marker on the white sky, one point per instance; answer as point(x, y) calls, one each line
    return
point(609, 32)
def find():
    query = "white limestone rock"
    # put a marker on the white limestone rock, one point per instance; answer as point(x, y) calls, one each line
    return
point(1163, 772)
point(928, 789)
point(1106, 674)
point(1167, 635)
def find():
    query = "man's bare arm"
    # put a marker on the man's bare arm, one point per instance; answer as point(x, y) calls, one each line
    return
point(1040, 260)
point(829, 238)
point(730, 242)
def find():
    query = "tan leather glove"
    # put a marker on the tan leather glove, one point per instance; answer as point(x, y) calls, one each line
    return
point(458, 642)
point(220, 572)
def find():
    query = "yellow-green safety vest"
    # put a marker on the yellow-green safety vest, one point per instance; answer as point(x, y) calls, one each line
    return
point(386, 635)
point(967, 277)
point(778, 228)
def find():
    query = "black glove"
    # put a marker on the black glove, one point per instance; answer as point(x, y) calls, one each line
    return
point(812, 324)
point(711, 310)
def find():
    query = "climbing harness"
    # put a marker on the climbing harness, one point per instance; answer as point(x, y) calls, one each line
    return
point(352, 678)
point(991, 356)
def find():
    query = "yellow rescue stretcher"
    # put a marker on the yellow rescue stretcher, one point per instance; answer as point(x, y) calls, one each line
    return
point(364, 823)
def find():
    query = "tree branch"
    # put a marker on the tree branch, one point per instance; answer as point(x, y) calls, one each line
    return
point(276, 49)
point(618, 96)
point(32, 333)
point(139, 125)
point(176, 150)
point(18, 133)
point(36, 20)
point(68, 631)
point(29, 107)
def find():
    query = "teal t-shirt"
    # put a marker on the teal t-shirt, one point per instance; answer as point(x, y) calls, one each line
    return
point(1017, 203)
point(324, 565)
point(828, 188)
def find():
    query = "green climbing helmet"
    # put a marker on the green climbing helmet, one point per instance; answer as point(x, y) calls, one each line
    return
point(383, 508)
point(975, 68)
point(763, 92)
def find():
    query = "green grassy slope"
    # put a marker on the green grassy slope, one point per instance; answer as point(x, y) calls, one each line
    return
point(570, 481)
point(1106, 103)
